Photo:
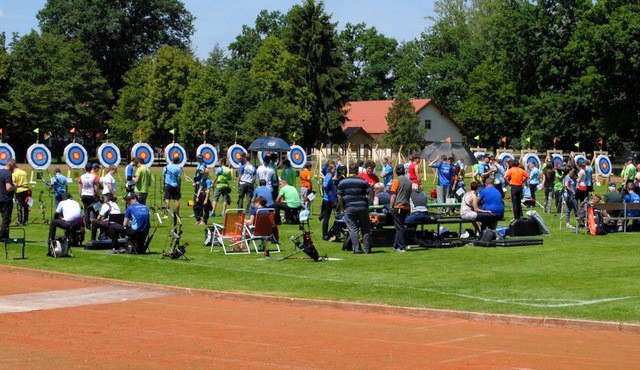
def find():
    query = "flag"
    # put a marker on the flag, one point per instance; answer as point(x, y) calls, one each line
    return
point(555, 140)
point(601, 142)
point(139, 132)
point(477, 137)
point(504, 139)
point(106, 132)
point(528, 140)
point(577, 145)
point(448, 140)
point(73, 130)
point(172, 131)
point(1, 130)
point(204, 132)
point(37, 131)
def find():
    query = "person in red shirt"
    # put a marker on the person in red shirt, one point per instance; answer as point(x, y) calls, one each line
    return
point(368, 175)
point(516, 176)
point(414, 172)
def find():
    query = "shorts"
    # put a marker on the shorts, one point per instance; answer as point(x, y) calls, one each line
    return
point(171, 192)
point(224, 192)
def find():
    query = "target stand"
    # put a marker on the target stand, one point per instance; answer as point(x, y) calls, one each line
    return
point(502, 155)
point(578, 157)
point(602, 165)
point(529, 155)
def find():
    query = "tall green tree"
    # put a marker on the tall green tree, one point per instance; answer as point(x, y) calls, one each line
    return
point(55, 85)
point(310, 35)
point(247, 44)
point(404, 128)
point(5, 73)
point(368, 56)
point(119, 33)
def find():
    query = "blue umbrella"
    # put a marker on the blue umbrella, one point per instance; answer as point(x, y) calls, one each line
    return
point(269, 143)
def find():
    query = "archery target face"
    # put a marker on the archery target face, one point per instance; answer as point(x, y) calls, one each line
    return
point(234, 154)
point(39, 157)
point(6, 153)
point(297, 156)
point(504, 157)
point(579, 158)
point(556, 160)
point(209, 154)
point(144, 152)
point(75, 155)
point(603, 165)
point(109, 154)
point(532, 157)
point(174, 150)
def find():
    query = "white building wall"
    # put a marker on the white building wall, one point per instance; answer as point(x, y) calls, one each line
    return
point(441, 126)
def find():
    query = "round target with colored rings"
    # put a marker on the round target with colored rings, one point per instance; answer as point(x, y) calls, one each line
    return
point(6, 153)
point(603, 165)
point(556, 160)
point(144, 152)
point(209, 154)
point(476, 154)
point(263, 155)
point(39, 157)
point(234, 154)
point(75, 155)
point(531, 157)
point(109, 154)
point(175, 150)
point(504, 157)
point(297, 156)
point(579, 158)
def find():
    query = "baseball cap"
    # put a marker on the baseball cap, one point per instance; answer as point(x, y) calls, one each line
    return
point(95, 165)
point(57, 169)
point(612, 184)
point(400, 169)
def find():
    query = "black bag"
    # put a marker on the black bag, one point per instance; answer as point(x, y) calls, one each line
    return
point(523, 227)
point(489, 235)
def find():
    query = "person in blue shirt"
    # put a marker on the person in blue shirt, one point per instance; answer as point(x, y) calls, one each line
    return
point(129, 172)
point(264, 191)
point(202, 206)
point(387, 173)
point(444, 178)
point(491, 199)
point(329, 199)
point(632, 197)
point(534, 178)
point(172, 174)
point(136, 226)
point(59, 185)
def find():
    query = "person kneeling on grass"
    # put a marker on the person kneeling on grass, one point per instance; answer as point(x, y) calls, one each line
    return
point(136, 225)
point(68, 216)
point(109, 207)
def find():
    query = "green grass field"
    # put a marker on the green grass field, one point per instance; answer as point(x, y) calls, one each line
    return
point(571, 275)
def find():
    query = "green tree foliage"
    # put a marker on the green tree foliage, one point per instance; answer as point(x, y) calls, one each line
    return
point(247, 44)
point(154, 96)
point(310, 35)
point(55, 85)
point(404, 128)
point(119, 33)
point(5, 73)
point(368, 56)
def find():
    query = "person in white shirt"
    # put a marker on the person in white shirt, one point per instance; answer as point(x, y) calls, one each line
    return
point(88, 188)
point(109, 185)
point(266, 172)
point(69, 216)
point(109, 207)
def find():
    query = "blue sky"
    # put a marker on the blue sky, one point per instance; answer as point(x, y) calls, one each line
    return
point(220, 21)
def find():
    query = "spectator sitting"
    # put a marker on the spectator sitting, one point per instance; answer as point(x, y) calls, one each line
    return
point(69, 216)
point(264, 191)
point(381, 197)
point(614, 196)
point(491, 199)
point(258, 202)
point(419, 211)
point(470, 209)
point(109, 207)
point(289, 201)
point(632, 197)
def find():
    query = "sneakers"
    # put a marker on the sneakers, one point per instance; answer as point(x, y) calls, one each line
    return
point(114, 251)
point(399, 250)
point(569, 226)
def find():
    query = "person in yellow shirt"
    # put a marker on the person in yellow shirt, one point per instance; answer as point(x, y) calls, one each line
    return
point(23, 193)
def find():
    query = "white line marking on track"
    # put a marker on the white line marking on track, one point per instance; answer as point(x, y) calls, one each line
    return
point(74, 297)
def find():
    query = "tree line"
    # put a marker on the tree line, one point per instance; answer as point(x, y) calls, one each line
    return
point(540, 72)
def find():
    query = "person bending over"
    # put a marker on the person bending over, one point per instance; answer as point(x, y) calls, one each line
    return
point(68, 216)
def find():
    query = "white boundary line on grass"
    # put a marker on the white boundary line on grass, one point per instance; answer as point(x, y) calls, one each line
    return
point(530, 302)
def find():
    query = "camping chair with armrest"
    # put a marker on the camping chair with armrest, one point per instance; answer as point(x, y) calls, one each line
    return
point(232, 229)
point(263, 229)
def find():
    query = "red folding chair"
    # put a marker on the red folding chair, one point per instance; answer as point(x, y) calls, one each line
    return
point(230, 235)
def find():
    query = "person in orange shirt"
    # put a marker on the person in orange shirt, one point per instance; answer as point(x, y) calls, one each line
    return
point(305, 185)
point(516, 176)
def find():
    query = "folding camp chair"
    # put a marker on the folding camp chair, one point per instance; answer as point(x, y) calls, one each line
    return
point(231, 229)
point(263, 229)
